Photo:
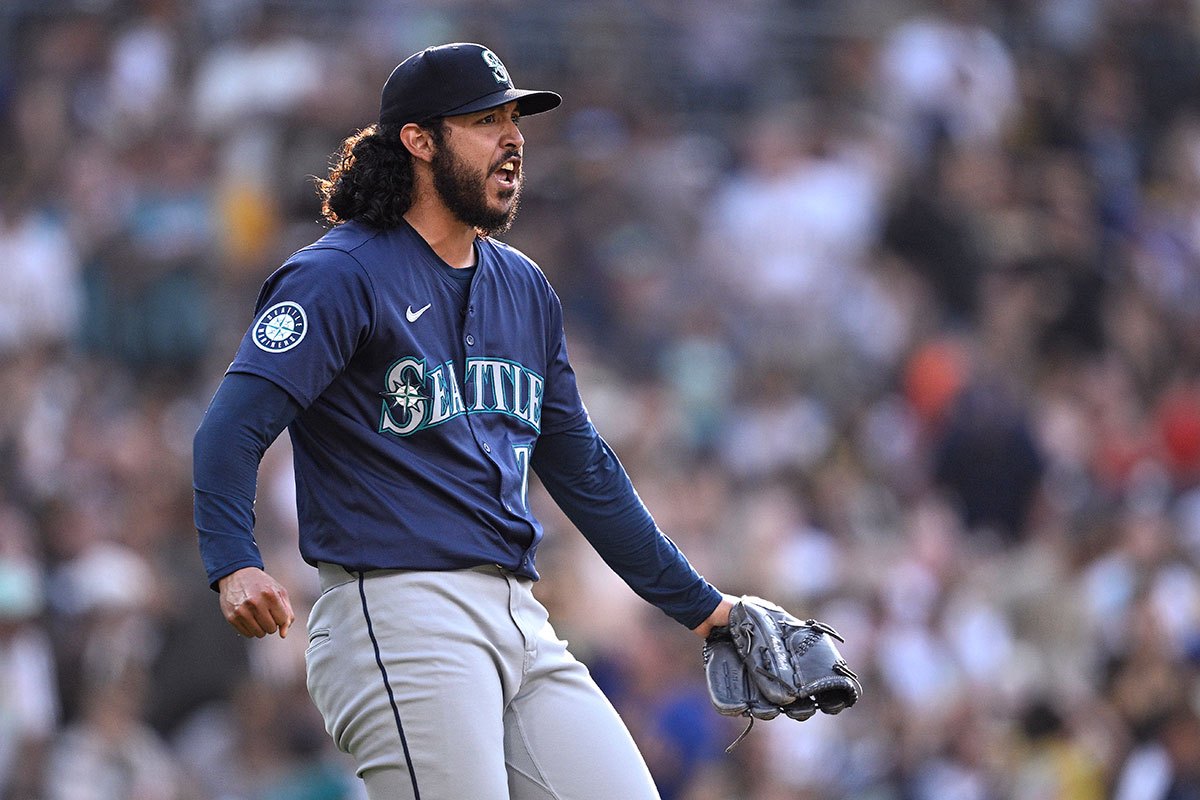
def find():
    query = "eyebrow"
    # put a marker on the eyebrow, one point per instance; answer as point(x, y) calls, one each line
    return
point(500, 109)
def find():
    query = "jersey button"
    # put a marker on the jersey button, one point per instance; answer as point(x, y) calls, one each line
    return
point(470, 340)
point(470, 309)
point(487, 448)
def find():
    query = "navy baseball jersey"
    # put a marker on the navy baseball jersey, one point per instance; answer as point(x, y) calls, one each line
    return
point(422, 397)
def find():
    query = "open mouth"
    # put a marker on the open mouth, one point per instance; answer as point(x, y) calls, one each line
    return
point(508, 172)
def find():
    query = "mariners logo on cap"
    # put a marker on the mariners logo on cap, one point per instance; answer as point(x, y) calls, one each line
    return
point(281, 327)
point(498, 69)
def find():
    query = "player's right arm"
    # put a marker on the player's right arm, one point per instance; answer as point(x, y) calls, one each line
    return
point(247, 413)
point(255, 604)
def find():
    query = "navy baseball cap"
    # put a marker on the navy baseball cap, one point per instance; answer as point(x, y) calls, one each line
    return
point(454, 79)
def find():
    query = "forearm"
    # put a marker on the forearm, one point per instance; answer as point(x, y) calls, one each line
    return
point(587, 481)
point(245, 416)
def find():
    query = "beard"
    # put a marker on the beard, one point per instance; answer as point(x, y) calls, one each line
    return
point(464, 191)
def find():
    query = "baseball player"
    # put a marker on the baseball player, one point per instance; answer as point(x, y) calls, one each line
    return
point(420, 368)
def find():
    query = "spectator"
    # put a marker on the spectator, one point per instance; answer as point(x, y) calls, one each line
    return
point(890, 308)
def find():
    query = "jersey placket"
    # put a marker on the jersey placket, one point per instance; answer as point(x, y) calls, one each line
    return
point(473, 347)
point(482, 426)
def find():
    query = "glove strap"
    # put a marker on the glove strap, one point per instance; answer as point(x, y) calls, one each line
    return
point(738, 740)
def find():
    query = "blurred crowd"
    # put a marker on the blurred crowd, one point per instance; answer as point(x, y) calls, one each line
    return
point(891, 310)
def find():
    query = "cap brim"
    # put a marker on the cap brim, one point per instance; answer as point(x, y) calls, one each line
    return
point(529, 101)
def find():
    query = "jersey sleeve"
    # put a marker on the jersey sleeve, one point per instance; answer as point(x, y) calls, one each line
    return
point(312, 315)
point(562, 407)
point(246, 414)
point(585, 479)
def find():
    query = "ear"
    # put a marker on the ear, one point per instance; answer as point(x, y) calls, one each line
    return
point(418, 141)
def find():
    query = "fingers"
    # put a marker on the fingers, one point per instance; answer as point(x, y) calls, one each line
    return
point(242, 620)
point(255, 604)
point(281, 613)
point(248, 627)
point(262, 615)
point(251, 617)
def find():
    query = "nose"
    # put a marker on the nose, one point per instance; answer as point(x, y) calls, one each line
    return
point(512, 135)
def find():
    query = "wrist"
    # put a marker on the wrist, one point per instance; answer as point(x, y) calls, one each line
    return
point(718, 618)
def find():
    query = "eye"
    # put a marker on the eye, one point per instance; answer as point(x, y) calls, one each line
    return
point(488, 119)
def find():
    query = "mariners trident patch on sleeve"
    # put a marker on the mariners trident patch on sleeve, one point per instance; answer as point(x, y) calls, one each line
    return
point(281, 327)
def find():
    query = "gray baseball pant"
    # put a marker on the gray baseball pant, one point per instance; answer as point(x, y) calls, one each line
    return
point(453, 686)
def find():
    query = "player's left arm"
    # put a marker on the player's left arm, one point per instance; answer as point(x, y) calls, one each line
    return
point(719, 618)
point(588, 482)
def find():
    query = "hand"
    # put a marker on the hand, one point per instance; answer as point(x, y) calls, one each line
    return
point(255, 603)
point(718, 618)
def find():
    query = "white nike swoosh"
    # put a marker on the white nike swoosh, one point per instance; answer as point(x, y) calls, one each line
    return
point(413, 316)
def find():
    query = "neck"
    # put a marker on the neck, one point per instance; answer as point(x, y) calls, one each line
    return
point(449, 237)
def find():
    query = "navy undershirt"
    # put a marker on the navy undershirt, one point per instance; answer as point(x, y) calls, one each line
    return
point(578, 469)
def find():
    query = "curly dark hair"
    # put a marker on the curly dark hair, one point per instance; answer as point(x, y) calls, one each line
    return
point(371, 177)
